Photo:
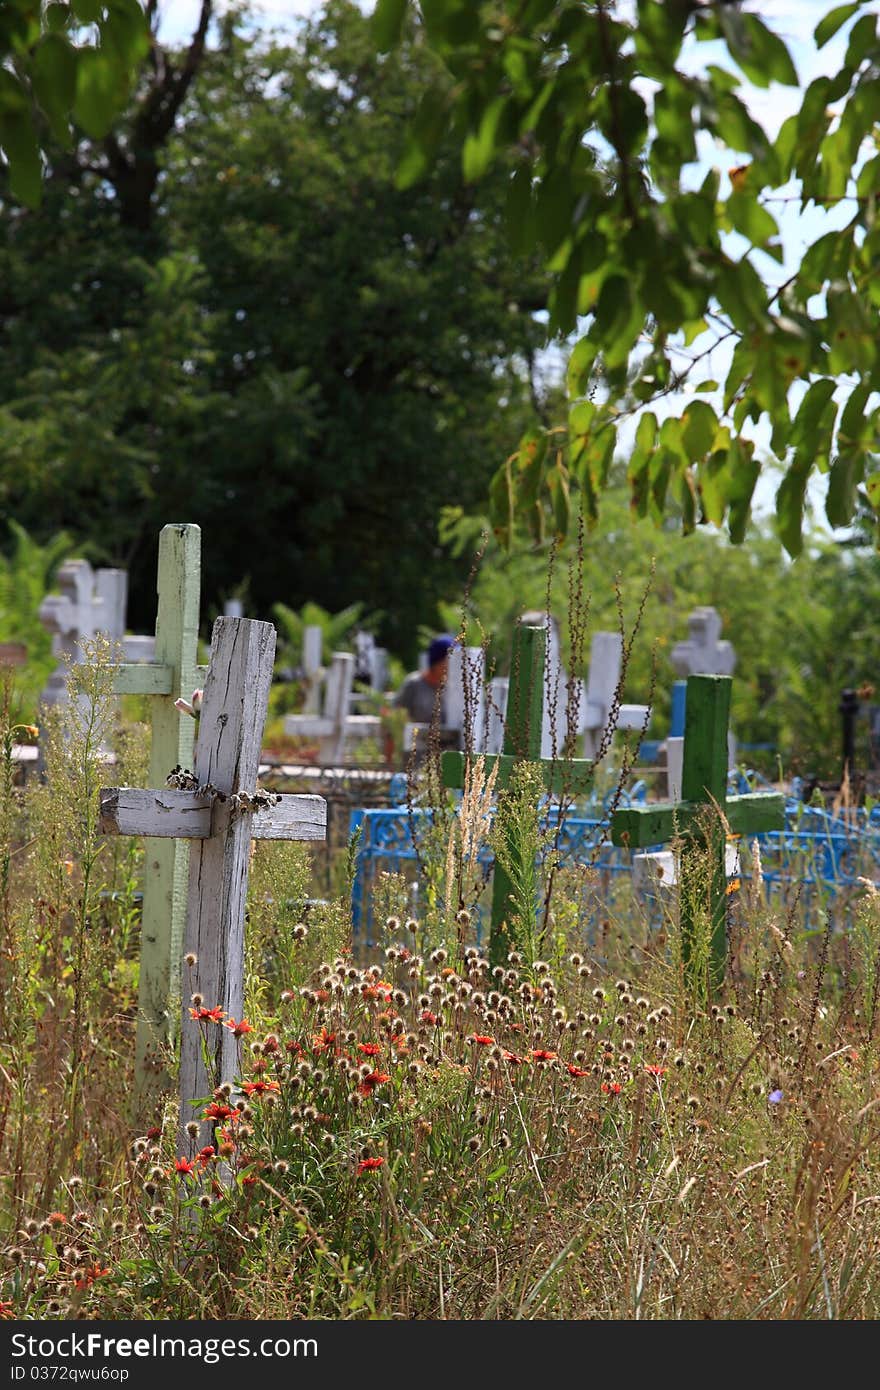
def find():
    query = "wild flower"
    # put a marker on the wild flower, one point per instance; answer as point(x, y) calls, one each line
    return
point(369, 1165)
point(238, 1029)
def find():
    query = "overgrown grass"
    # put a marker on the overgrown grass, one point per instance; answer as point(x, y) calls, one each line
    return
point(421, 1135)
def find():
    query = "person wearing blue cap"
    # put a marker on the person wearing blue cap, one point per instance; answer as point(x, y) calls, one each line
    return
point(421, 694)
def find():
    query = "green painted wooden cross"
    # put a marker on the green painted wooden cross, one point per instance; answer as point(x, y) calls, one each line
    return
point(522, 743)
point(703, 785)
point(173, 673)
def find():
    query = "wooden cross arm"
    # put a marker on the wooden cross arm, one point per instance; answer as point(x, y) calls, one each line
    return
point(148, 678)
point(755, 812)
point(143, 678)
point(638, 827)
point(182, 815)
point(571, 777)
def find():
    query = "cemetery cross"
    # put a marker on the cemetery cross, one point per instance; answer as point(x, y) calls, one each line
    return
point(173, 673)
point(704, 786)
point(221, 814)
point(522, 743)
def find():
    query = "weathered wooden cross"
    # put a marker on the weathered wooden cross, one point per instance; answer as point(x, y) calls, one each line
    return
point(522, 743)
point(222, 814)
point(703, 786)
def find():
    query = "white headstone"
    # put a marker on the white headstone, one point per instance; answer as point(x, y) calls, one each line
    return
point(463, 694)
point(313, 646)
point(702, 654)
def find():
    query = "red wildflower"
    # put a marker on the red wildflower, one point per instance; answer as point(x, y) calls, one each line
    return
point(541, 1054)
point(322, 995)
point(270, 1045)
point(155, 1132)
point(577, 1071)
point(184, 1165)
point(259, 1088)
point(375, 1078)
point(427, 1017)
point(260, 1064)
point(367, 1165)
point(238, 1029)
point(248, 1182)
point(218, 1112)
point(611, 1088)
point(369, 1049)
point(654, 1070)
point(204, 1156)
point(482, 1040)
point(89, 1275)
point(57, 1218)
point(324, 1041)
point(512, 1058)
point(380, 990)
point(215, 1015)
point(294, 1048)
point(6, 1310)
point(515, 1027)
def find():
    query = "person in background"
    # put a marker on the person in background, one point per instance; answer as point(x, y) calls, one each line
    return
point(421, 695)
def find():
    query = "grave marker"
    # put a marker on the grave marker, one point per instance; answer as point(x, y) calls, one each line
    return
point(702, 654)
point(704, 785)
point(522, 743)
point(173, 673)
point(90, 602)
point(222, 814)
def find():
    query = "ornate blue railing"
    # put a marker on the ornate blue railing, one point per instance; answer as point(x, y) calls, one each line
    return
point(818, 858)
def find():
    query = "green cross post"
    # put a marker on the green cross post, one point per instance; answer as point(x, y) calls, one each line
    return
point(174, 672)
point(522, 743)
point(703, 785)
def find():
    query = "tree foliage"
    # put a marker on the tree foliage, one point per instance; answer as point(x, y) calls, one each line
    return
point(801, 632)
point(289, 350)
point(64, 69)
point(603, 121)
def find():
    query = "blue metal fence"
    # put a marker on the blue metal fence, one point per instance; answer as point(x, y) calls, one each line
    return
point(820, 855)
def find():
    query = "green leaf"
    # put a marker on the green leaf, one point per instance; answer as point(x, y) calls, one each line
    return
point(860, 40)
point(699, 425)
point(387, 23)
point(843, 480)
point(559, 493)
point(872, 488)
point(501, 503)
point(54, 78)
point(580, 367)
point(88, 11)
point(750, 219)
point(530, 462)
point(479, 147)
point(423, 138)
point(760, 53)
point(805, 429)
point(790, 505)
point(100, 90)
point(828, 27)
point(19, 144)
point(743, 471)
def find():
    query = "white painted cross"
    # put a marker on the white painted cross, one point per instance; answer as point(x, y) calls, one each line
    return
point(90, 602)
point(702, 654)
point(222, 815)
point(335, 723)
